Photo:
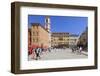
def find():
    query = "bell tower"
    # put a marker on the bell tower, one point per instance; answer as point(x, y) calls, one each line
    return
point(48, 28)
point(47, 23)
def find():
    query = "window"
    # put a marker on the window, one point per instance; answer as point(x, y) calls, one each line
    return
point(33, 40)
point(37, 33)
point(47, 20)
point(37, 40)
point(33, 33)
point(60, 38)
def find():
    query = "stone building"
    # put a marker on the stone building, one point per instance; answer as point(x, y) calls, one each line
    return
point(83, 39)
point(60, 39)
point(73, 39)
point(29, 37)
point(39, 36)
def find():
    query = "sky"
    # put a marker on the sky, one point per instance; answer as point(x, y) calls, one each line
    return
point(70, 24)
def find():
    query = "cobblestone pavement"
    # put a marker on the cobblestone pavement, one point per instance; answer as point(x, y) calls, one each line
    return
point(61, 54)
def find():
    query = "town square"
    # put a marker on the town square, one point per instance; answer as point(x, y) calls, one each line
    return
point(50, 41)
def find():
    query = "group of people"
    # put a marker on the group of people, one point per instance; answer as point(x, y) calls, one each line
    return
point(38, 51)
point(77, 49)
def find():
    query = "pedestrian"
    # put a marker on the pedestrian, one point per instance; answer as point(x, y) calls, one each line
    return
point(40, 51)
point(77, 50)
point(33, 54)
point(37, 52)
point(72, 50)
point(80, 49)
point(49, 49)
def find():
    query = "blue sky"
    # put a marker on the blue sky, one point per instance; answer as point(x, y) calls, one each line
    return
point(71, 24)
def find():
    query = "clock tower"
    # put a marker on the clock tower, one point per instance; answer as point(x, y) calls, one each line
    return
point(47, 23)
point(48, 28)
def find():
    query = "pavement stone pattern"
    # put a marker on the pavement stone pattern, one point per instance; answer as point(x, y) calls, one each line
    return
point(61, 54)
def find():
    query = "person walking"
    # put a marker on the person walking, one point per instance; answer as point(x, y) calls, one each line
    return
point(72, 50)
point(37, 52)
point(80, 49)
point(33, 54)
point(49, 49)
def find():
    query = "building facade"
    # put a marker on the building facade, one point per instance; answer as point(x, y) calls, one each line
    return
point(83, 39)
point(39, 36)
point(73, 39)
point(60, 39)
point(29, 37)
